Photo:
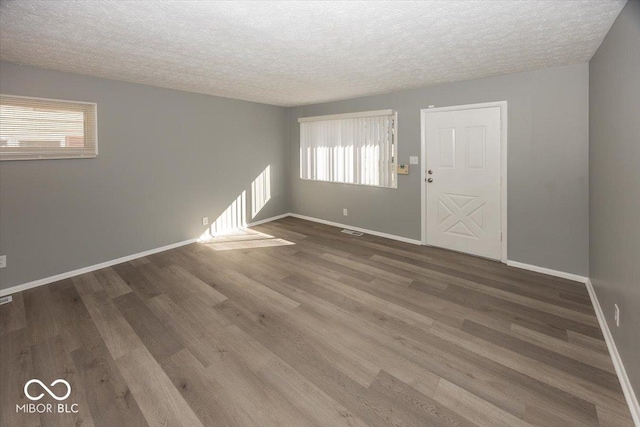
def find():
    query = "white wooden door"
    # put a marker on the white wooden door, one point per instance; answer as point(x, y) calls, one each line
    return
point(463, 193)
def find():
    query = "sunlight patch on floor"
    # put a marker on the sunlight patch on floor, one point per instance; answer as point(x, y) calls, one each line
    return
point(242, 239)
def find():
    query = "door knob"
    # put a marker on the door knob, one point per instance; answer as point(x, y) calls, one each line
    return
point(430, 180)
point(429, 171)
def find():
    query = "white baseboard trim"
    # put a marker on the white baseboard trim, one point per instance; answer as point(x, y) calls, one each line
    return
point(363, 230)
point(273, 218)
point(550, 272)
point(629, 394)
point(68, 274)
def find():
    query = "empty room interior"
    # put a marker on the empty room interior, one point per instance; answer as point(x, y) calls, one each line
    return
point(320, 213)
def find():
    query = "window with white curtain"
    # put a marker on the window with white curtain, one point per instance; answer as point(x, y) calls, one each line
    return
point(37, 128)
point(356, 148)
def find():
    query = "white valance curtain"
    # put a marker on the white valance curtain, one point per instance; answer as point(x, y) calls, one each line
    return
point(353, 150)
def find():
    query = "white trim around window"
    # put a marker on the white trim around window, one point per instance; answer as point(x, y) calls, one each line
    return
point(41, 128)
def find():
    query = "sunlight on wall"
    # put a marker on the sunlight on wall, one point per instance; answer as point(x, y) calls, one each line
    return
point(229, 230)
point(260, 191)
point(233, 218)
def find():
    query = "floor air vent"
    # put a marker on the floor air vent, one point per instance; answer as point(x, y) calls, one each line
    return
point(352, 232)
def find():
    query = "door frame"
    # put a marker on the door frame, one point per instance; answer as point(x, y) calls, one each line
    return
point(424, 114)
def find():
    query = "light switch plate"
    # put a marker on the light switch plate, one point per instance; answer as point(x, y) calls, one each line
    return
point(413, 160)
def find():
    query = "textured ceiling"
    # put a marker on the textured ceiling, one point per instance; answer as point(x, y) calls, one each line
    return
point(294, 53)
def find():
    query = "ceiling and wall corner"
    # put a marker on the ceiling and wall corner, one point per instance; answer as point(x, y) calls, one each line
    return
point(295, 53)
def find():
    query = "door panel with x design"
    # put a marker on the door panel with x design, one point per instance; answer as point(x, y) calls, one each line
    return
point(461, 215)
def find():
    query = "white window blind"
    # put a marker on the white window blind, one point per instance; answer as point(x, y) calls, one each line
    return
point(358, 148)
point(35, 128)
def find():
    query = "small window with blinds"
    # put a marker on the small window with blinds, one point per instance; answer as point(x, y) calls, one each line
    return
point(356, 148)
point(36, 128)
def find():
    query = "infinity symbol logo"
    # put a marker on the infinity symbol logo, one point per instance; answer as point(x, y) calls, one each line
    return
point(52, 394)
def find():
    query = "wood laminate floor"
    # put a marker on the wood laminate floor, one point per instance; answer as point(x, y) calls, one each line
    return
point(293, 323)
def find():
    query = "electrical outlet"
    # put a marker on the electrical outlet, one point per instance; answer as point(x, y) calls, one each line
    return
point(345, 212)
point(617, 315)
point(205, 220)
point(3, 261)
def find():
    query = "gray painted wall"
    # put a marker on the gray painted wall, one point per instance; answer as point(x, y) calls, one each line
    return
point(547, 164)
point(167, 158)
point(614, 153)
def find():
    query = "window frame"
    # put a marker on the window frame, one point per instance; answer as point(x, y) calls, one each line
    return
point(57, 153)
point(362, 114)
